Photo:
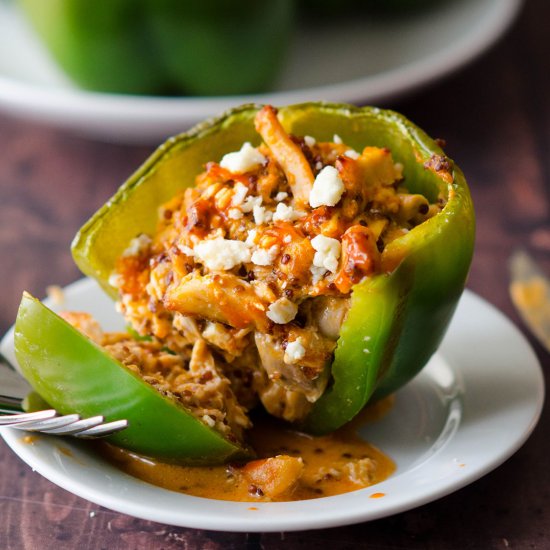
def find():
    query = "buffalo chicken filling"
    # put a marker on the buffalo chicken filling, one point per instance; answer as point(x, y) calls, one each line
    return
point(248, 277)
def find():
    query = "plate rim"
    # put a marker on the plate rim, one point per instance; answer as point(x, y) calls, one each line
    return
point(88, 111)
point(286, 516)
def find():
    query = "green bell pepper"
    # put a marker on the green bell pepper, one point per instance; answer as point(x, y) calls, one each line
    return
point(165, 46)
point(75, 375)
point(397, 318)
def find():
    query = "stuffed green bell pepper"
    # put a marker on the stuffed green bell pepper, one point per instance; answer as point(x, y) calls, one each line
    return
point(319, 251)
point(165, 46)
point(305, 260)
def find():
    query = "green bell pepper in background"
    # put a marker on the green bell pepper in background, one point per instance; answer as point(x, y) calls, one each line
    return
point(209, 47)
point(397, 318)
point(73, 374)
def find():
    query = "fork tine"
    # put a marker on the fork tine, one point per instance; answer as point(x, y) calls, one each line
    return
point(52, 423)
point(49, 423)
point(103, 429)
point(13, 419)
point(75, 427)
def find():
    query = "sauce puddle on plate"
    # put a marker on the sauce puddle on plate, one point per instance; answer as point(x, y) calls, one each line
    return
point(291, 465)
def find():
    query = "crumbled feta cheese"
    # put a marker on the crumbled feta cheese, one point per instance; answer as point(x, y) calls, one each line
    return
point(244, 160)
point(114, 279)
point(318, 165)
point(317, 273)
point(281, 196)
point(221, 254)
point(398, 167)
point(261, 215)
point(234, 214)
point(286, 213)
point(250, 202)
point(327, 252)
point(352, 154)
point(251, 237)
point(294, 351)
point(337, 139)
point(185, 250)
point(310, 141)
point(328, 188)
point(208, 420)
point(282, 311)
point(138, 244)
point(239, 193)
point(261, 256)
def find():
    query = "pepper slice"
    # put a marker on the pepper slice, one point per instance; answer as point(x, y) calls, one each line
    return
point(397, 318)
point(75, 375)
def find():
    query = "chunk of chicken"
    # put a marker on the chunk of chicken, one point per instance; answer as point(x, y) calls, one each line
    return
point(222, 298)
point(328, 313)
point(297, 170)
point(280, 401)
point(306, 372)
point(273, 476)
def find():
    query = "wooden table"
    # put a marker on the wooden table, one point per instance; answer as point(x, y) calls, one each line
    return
point(495, 117)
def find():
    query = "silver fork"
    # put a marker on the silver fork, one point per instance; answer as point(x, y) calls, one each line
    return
point(47, 421)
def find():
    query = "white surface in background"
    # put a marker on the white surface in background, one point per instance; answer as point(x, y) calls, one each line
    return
point(356, 61)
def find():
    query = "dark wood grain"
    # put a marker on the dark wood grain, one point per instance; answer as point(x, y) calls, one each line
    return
point(495, 117)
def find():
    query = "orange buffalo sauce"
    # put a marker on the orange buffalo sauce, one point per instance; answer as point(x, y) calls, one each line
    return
point(291, 465)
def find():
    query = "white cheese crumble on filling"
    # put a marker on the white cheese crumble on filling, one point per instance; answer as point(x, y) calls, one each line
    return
point(138, 244)
point(328, 188)
point(337, 139)
point(239, 193)
point(261, 256)
point(281, 196)
point(282, 311)
point(310, 141)
point(250, 202)
point(352, 154)
point(261, 215)
point(286, 213)
point(398, 167)
point(327, 253)
point(185, 250)
point(234, 214)
point(222, 254)
point(294, 351)
point(208, 420)
point(115, 280)
point(244, 160)
point(251, 237)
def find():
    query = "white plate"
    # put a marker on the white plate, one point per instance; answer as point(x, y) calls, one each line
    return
point(472, 407)
point(353, 61)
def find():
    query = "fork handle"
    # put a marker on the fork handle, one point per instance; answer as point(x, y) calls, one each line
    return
point(9, 378)
point(10, 405)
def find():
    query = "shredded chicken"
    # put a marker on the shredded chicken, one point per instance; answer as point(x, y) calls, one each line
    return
point(249, 274)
